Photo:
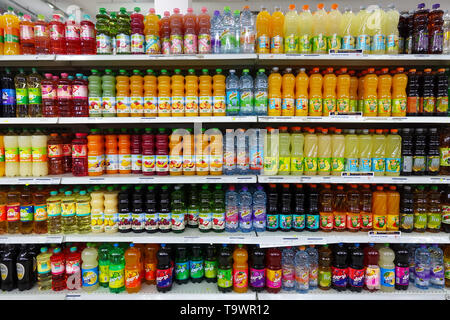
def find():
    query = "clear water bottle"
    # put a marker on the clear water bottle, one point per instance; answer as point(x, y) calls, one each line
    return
point(287, 265)
point(422, 267)
point(228, 36)
point(313, 267)
point(242, 152)
point(237, 30)
point(231, 210)
point(437, 279)
point(233, 94)
point(256, 152)
point(248, 32)
point(259, 209)
point(245, 210)
point(246, 90)
point(261, 93)
point(302, 271)
point(216, 32)
point(229, 153)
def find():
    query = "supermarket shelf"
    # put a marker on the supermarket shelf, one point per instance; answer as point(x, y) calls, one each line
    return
point(33, 294)
point(31, 238)
point(151, 120)
point(32, 60)
point(412, 293)
point(447, 293)
point(30, 180)
point(356, 179)
point(355, 119)
point(140, 179)
point(28, 120)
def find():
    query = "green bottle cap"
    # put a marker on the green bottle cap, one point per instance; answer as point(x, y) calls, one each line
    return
point(151, 188)
point(149, 71)
point(163, 71)
point(226, 8)
point(262, 70)
point(205, 71)
point(148, 130)
point(123, 130)
point(121, 71)
point(113, 15)
point(94, 71)
point(177, 71)
point(219, 70)
point(205, 187)
point(137, 130)
point(246, 71)
point(191, 71)
point(137, 9)
point(164, 187)
point(110, 188)
point(135, 71)
point(162, 130)
point(108, 71)
point(41, 17)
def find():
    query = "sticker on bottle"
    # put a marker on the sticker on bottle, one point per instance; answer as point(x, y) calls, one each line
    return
point(123, 43)
point(137, 43)
point(152, 44)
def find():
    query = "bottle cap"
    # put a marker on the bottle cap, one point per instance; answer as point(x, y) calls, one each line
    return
point(334, 6)
point(204, 9)
point(190, 10)
point(44, 249)
point(292, 7)
point(152, 10)
point(400, 69)
point(57, 250)
point(320, 6)
point(305, 7)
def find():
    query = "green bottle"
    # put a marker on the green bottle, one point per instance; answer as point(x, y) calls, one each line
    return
point(193, 207)
point(20, 82)
point(218, 211)
point(116, 269)
point(102, 25)
point(95, 94)
point(178, 210)
point(34, 93)
point(205, 215)
point(113, 31)
point(123, 42)
point(108, 94)
point(103, 264)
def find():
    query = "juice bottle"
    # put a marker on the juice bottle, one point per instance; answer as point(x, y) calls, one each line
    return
point(11, 31)
point(387, 268)
point(384, 93)
point(190, 32)
point(376, 23)
point(219, 95)
point(363, 37)
point(353, 210)
point(57, 263)
point(137, 31)
point(20, 83)
point(393, 153)
point(315, 93)
point(216, 152)
point(95, 153)
point(89, 268)
point(177, 85)
point(176, 153)
point(104, 37)
point(132, 269)
point(57, 36)
point(346, 29)
point(340, 209)
point(310, 151)
point(353, 93)
point(164, 107)
point(392, 17)
point(343, 82)
point(370, 93)
point(25, 161)
point(277, 31)
point(361, 77)
point(271, 154)
point(83, 212)
point(188, 154)
point(95, 94)
point(275, 81)
point(162, 153)
point(202, 152)
point(240, 269)
point(291, 30)
point(110, 203)
point(41, 36)
point(329, 92)
point(87, 36)
point(333, 22)
point(27, 35)
point(123, 40)
point(39, 154)
point(205, 94)
point(64, 96)
point(68, 211)
point(164, 24)
point(148, 153)
point(337, 152)
point(176, 32)
point(123, 94)
point(319, 22)
point(366, 208)
point(150, 261)
point(420, 31)
point(263, 20)
point(136, 151)
point(26, 211)
point(40, 196)
point(441, 93)
point(191, 99)
point(79, 155)
point(288, 85)
point(108, 94)
point(204, 31)
point(151, 30)
point(365, 151)
point(11, 154)
point(273, 270)
point(324, 153)
point(284, 151)
point(351, 151)
point(393, 207)
point(97, 210)
point(2, 155)
point(399, 97)
point(326, 208)
point(427, 104)
point(116, 269)
point(379, 209)
point(80, 97)
point(13, 210)
point(305, 30)
point(379, 153)
point(72, 34)
point(150, 94)
point(136, 94)
point(297, 157)
point(124, 152)
point(301, 93)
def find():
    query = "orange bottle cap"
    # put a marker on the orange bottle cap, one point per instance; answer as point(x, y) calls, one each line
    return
point(292, 7)
point(385, 70)
point(327, 186)
point(340, 187)
point(299, 185)
point(394, 130)
point(427, 70)
point(324, 130)
point(246, 7)
point(338, 130)
point(412, 70)
point(296, 128)
point(176, 10)
point(371, 130)
point(313, 185)
point(311, 130)
point(392, 188)
point(343, 70)
point(320, 6)
point(371, 70)
point(400, 69)
point(380, 188)
point(285, 185)
point(334, 6)
point(330, 70)
point(366, 185)
point(441, 70)
point(152, 10)
point(283, 128)
point(353, 186)
point(379, 131)
point(315, 70)
point(305, 7)
point(272, 185)
point(53, 134)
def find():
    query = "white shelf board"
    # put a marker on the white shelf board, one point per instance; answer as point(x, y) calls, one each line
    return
point(30, 180)
point(354, 119)
point(32, 294)
point(412, 293)
point(31, 238)
point(356, 179)
point(40, 120)
point(112, 120)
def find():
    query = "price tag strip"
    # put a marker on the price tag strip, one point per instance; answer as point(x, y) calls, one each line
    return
point(384, 235)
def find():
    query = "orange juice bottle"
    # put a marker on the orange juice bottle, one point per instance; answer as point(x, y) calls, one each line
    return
point(343, 91)
point(216, 152)
point(124, 152)
point(177, 94)
point(370, 93)
point(219, 105)
point(132, 269)
point(263, 31)
point(361, 90)
point(301, 93)
point(288, 101)
point(137, 94)
point(111, 153)
point(240, 269)
point(176, 153)
point(399, 82)
point(151, 30)
point(123, 94)
point(191, 108)
point(188, 154)
point(384, 93)
point(205, 94)
point(164, 108)
point(329, 92)
point(150, 94)
point(379, 209)
point(2, 157)
point(277, 31)
point(201, 145)
point(353, 94)
point(274, 94)
point(10, 22)
point(95, 153)
point(315, 93)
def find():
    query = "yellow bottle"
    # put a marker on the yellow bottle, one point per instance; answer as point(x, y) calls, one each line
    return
point(346, 30)
point(10, 22)
point(274, 94)
point(370, 93)
point(384, 93)
point(319, 40)
point(177, 85)
point(291, 30)
point(334, 35)
point(151, 30)
point(391, 30)
point(263, 31)
point(343, 91)
point(353, 91)
point(97, 210)
point(363, 39)
point(305, 19)
point(329, 92)
point(315, 93)
point(375, 22)
point(277, 31)
point(288, 101)
point(301, 94)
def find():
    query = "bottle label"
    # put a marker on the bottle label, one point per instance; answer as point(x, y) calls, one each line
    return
point(263, 43)
point(204, 43)
point(205, 105)
point(273, 278)
point(433, 163)
point(441, 104)
point(124, 221)
point(150, 271)
point(406, 221)
point(137, 105)
point(370, 107)
point(12, 154)
point(434, 220)
point(351, 164)
point(353, 221)
point(79, 91)
point(25, 154)
point(310, 164)
point(137, 43)
point(384, 107)
point(190, 43)
point(284, 164)
point(64, 91)
point(356, 277)
point(219, 104)
point(90, 277)
point(162, 163)
point(276, 44)
point(257, 278)
point(152, 45)
point(319, 43)
point(21, 96)
point(420, 220)
point(164, 221)
point(148, 163)
point(177, 105)
point(379, 221)
point(48, 92)
point(342, 105)
point(245, 218)
point(299, 221)
point(312, 221)
point(324, 164)
point(429, 104)
point(13, 213)
point(399, 106)
point(26, 32)
point(123, 104)
point(95, 164)
point(378, 43)
point(108, 105)
point(176, 44)
point(151, 221)
point(247, 37)
point(419, 164)
point(54, 209)
point(445, 214)
point(56, 32)
point(87, 33)
point(8, 96)
point(297, 164)
point(175, 163)
point(334, 42)
point(26, 213)
point(137, 221)
point(372, 277)
point(255, 159)
point(393, 222)
point(447, 269)
point(402, 276)
point(291, 44)
point(363, 42)
point(103, 44)
point(68, 209)
point(366, 221)
point(132, 278)
point(348, 42)
point(437, 275)
point(72, 32)
point(261, 99)
point(393, 44)
point(365, 164)
point(326, 221)
point(378, 164)
point(95, 106)
point(324, 279)
point(182, 270)
point(301, 107)
point(196, 269)
point(285, 221)
point(112, 162)
point(353, 107)
point(224, 278)
point(337, 164)
point(407, 164)
point(289, 276)
point(165, 45)
point(191, 104)
point(193, 217)
point(272, 221)
point(218, 220)
point(315, 106)
point(40, 31)
point(445, 157)
point(287, 106)
point(123, 43)
point(111, 221)
point(150, 105)
point(387, 277)
point(178, 221)
point(3, 213)
point(40, 213)
point(393, 164)
point(339, 277)
point(124, 162)
point(188, 163)
point(201, 163)
point(57, 267)
point(422, 275)
point(274, 105)
point(340, 220)
point(116, 276)
point(39, 154)
point(304, 44)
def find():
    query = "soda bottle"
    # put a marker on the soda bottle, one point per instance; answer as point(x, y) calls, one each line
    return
point(356, 269)
point(125, 218)
point(326, 208)
point(124, 150)
point(164, 102)
point(178, 210)
point(420, 36)
point(353, 93)
point(210, 263)
point(25, 268)
point(176, 32)
point(337, 152)
point(412, 90)
point(272, 208)
point(218, 209)
point(387, 268)
point(116, 269)
point(277, 31)
point(288, 101)
point(57, 36)
point(379, 152)
point(165, 33)
point(436, 267)
point(301, 93)
point(196, 266)
point(89, 268)
point(334, 36)
point(137, 32)
point(123, 41)
point(8, 260)
point(353, 209)
point(289, 279)
point(263, 21)
point(181, 264)
point(324, 271)
point(384, 93)
point(257, 269)
point(225, 269)
point(177, 85)
point(394, 43)
point(190, 29)
point(204, 31)
point(137, 210)
point(434, 215)
point(132, 269)
point(291, 22)
point(370, 93)
point(312, 209)
point(151, 30)
point(164, 212)
point(273, 270)
point(379, 209)
point(339, 269)
point(274, 94)
point(136, 94)
point(372, 270)
point(192, 208)
point(324, 153)
point(286, 212)
point(8, 94)
point(284, 151)
point(104, 38)
point(347, 29)
point(311, 152)
point(329, 92)
point(205, 212)
point(219, 93)
point(72, 35)
point(40, 211)
point(340, 209)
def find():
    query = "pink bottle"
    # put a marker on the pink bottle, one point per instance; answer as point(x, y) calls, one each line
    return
point(73, 36)
point(176, 32)
point(87, 36)
point(73, 265)
point(65, 96)
point(137, 32)
point(136, 152)
point(49, 93)
point(80, 97)
point(79, 155)
point(57, 35)
point(162, 153)
point(204, 31)
point(165, 33)
point(148, 153)
point(190, 32)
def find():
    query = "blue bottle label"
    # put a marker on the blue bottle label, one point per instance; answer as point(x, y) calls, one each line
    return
point(393, 164)
point(379, 42)
point(8, 96)
point(286, 221)
point(351, 164)
point(272, 221)
point(387, 277)
point(365, 164)
point(90, 277)
point(232, 100)
point(299, 222)
point(339, 277)
point(312, 221)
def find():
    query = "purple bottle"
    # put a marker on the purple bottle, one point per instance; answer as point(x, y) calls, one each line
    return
point(257, 269)
point(420, 30)
point(435, 29)
point(245, 210)
point(216, 26)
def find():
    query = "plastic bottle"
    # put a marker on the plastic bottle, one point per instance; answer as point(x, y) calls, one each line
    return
point(57, 36)
point(95, 153)
point(333, 34)
point(87, 36)
point(324, 153)
point(273, 270)
point(191, 99)
point(116, 269)
point(108, 108)
point(177, 85)
point(324, 270)
point(343, 82)
point(68, 213)
point(231, 210)
point(232, 94)
point(202, 153)
point(111, 152)
point(356, 269)
point(379, 209)
point(393, 207)
point(379, 153)
point(89, 268)
point(257, 271)
point(363, 39)
point(329, 92)
point(365, 146)
point(347, 29)
point(26, 31)
point(132, 269)
point(366, 208)
point(384, 93)
point(58, 270)
point(26, 268)
point(25, 160)
point(353, 106)
point(83, 212)
point(137, 32)
point(39, 154)
point(165, 33)
point(436, 267)
point(274, 95)
point(176, 153)
point(263, 21)
point(247, 31)
point(372, 273)
point(434, 218)
point(181, 264)
point(339, 270)
point(301, 93)
point(64, 94)
point(224, 269)
point(370, 93)
point(420, 36)
point(441, 93)
point(352, 151)
point(148, 153)
point(205, 94)
point(97, 210)
point(422, 267)
point(164, 101)
point(399, 97)
point(446, 32)
point(391, 30)
point(124, 152)
point(104, 38)
point(79, 96)
point(311, 152)
point(291, 30)
point(49, 92)
point(43, 269)
point(245, 210)
point(150, 101)
point(41, 35)
point(79, 155)
point(240, 270)
point(305, 25)
point(319, 30)
point(72, 34)
point(288, 281)
point(326, 208)
point(219, 93)
point(237, 30)
point(123, 40)
point(95, 94)
point(26, 211)
point(446, 265)
point(136, 94)
point(54, 213)
point(12, 152)
point(277, 31)
point(340, 209)
point(151, 30)
point(315, 93)
point(216, 32)
point(8, 94)
point(20, 83)
point(393, 153)
point(420, 209)
point(288, 101)
point(204, 32)
point(176, 32)
point(190, 28)
point(111, 210)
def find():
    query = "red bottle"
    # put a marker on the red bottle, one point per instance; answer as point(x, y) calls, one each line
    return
point(137, 32)
point(73, 269)
point(79, 155)
point(58, 270)
point(165, 33)
point(55, 154)
point(162, 153)
point(190, 32)
point(87, 36)
point(57, 36)
point(273, 270)
point(80, 96)
point(176, 32)
point(204, 31)
point(27, 35)
point(65, 96)
point(41, 36)
point(49, 94)
point(67, 152)
point(372, 273)
point(148, 153)
point(73, 36)
point(136, 152)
